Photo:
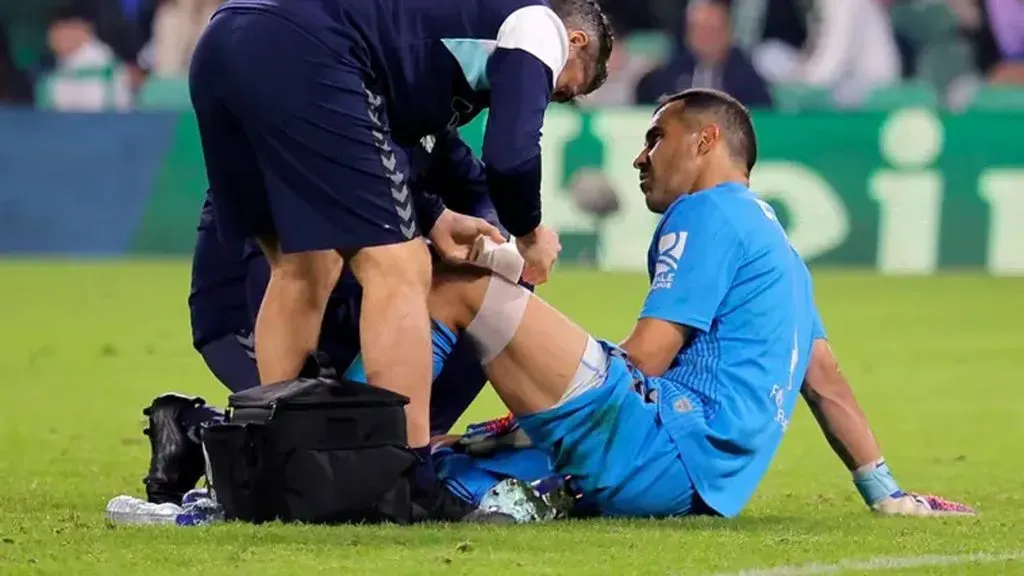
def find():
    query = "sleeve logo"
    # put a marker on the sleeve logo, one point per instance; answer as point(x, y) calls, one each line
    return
point(427, 142)
point(670, 250)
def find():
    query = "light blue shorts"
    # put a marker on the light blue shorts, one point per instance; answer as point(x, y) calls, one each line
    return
point(612, 443)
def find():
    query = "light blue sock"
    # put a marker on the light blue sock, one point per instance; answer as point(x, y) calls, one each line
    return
point(443, 340)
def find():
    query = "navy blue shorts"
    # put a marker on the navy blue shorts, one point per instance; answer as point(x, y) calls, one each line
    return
point(296, 139)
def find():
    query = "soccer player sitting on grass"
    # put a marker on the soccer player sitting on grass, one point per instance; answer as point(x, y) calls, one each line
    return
point(685, 415)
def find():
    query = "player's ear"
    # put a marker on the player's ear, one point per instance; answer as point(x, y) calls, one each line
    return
point(706, 139)
point(578, 39)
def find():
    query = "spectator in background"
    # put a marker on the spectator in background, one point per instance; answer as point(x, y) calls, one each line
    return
point(774, 21)
point(707, 59)
point(1006, 24)
point(625, 69)
point(15, 85)
point(851, 50)
point(88, 76)
point(177, 26)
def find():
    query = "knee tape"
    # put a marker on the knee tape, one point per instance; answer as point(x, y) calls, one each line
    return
point(591, 372)
point(498, 318)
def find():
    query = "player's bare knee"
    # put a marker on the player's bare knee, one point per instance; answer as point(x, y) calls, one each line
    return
point(394, 268)
point(456, 294)
point(307, 278)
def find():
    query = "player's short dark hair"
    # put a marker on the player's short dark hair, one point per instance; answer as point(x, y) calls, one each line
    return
point(725, 5)
point(587, 15)
point(73, 12)
point(731, 116)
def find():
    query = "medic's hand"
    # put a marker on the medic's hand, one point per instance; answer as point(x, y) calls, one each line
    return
point(540, 249)
point(453, 235)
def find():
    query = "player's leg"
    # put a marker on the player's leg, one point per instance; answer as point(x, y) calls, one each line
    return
point(232, 107)
point(574, 397)
point(288, 324)
point(371, 221)
point(459, 382)
point(394, 327)
point(530, 351)
point(334, 181)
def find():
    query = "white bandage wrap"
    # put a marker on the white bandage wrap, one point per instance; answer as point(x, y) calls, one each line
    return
point(502, 259)
point(498, 318)
point(591, 373)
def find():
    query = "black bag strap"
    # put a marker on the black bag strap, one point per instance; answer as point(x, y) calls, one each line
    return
point(319, 365)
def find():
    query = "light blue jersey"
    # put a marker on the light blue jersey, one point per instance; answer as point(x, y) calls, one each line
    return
point(720, 263)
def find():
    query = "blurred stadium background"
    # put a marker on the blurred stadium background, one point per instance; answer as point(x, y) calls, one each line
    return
point(890, 130)
point(891, 144)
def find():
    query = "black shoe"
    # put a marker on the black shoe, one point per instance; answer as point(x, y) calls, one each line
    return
point(176, 461)
point(439, 504)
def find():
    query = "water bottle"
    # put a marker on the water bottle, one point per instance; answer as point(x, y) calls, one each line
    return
point(131, 510)
point(195, 495)
point(200, 512)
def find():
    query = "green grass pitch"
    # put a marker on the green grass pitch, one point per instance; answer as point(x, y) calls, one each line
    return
point(936, 362)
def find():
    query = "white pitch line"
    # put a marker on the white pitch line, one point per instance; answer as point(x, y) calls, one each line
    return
point(880, 563)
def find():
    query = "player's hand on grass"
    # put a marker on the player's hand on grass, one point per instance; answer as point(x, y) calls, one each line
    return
point(453, 235)
point(540, 249)
point(881, 493)
point(910, 504)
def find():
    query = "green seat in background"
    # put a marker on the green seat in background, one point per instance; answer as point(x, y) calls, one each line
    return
point(164, 93)
point(998, 98)
point(917, 94)
point(651, 44)
point(801, 97)
point(942, 54)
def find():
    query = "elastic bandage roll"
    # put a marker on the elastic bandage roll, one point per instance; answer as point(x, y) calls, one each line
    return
point(501, 259)
point(498, 318)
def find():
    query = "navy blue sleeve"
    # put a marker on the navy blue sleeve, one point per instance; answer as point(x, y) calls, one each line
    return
point(520, 93)
point(456, 174)
point(428, 208)
point(217, 299)
point(468, 171)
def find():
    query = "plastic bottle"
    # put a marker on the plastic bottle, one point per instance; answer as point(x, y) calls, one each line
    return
point(132, 510)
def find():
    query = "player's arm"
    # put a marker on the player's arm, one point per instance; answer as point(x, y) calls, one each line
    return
point(834, 406)
point(429, 207)
point(531, 50)
point(462, 167)
point(460, 178)
point(846, 428)
point(653, 344)
point(694, 259)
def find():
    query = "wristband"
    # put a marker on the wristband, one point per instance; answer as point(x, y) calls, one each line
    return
point(874, 481)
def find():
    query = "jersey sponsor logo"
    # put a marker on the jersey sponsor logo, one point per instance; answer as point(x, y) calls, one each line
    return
point(780, 394)
point(670, 250)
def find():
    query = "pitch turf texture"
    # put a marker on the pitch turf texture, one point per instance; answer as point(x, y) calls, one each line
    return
point(935, 361)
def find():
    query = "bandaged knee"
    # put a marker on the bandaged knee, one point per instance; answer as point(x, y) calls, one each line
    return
point(498, 318)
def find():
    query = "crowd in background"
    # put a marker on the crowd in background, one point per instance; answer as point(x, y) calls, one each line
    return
point(88, 55)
